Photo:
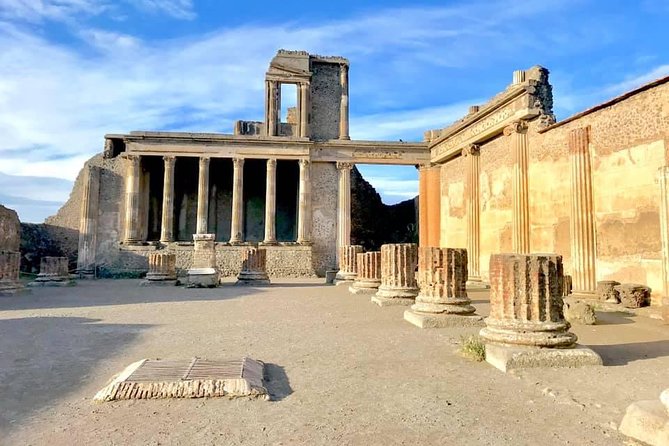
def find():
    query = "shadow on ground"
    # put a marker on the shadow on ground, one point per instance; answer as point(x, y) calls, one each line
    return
point(44, 358)
point(276, 382)
point(622, 354)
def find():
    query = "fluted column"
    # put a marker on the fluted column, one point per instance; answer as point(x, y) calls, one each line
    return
point(254, 267)
point(305, 106)
point(348, 269)
point(343, 109)
point(88, 221)
point(582, 223)
point(167, 223)
point(422, 205)
point(162, 267)
point(368, 280)
point(398, 275)
point(132, 229)
point(203, 196)
point(304, 216)
point(237, 224)
point(270, 203)
point(344, 205)
point(471, 153)
point(663, 180)
point(520, 219)
point(271, 112)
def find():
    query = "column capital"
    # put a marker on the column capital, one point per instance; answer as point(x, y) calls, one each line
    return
point(271, 163)
point(238, 162)
point(579, 139)
point(344, 166)
point(204, 160)
point(169, 159)
point(304, 163)
point(132, 157)
point(471, 149)
point(519, 126)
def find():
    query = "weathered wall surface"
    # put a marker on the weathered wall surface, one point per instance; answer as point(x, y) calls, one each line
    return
point(325, 101)
point(10, 230)
point(324, 185)
point(453, 205)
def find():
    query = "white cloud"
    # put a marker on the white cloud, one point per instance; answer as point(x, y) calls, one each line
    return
point(180, 9)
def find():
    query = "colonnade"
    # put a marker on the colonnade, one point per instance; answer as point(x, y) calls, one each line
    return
point(132, 228)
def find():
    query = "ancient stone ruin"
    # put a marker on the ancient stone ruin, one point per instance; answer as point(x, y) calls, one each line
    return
point(526, 326)
point(348, 270)
point(254, 267)
point(398, 275)
point(10, 257)
point(203, 273)
point(368, 279)
point(162, 269)
point(53, 272)
point(442, 300)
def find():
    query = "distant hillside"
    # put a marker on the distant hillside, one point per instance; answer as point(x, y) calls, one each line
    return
point(374, 223)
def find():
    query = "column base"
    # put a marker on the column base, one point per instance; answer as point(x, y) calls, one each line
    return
point(257, 278)
point(345, 276)
point(586, 295)
point(86, 274)
point(475, 283)
point(202, 278)
point(339, 282)
point(365, 286)
point(156, 277)
point(391, 301)
point(8, 288)
point(51, 283)
point(442, 320)
point(647, 421)
point(148, 282)
point(507, 358)
point(268, 243)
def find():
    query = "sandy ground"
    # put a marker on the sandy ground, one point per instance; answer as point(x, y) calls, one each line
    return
point(341, 371)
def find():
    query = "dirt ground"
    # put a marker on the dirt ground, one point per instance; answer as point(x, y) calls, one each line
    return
point(340, 369)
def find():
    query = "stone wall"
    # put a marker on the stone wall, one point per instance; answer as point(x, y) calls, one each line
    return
point(10, 230)
point(324, 185)
point(325, 101)
point(628, 144)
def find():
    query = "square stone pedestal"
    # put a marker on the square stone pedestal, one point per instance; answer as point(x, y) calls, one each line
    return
point(355, 289)
point(647, 421)
point(508, 358)
point(442, 320)
point(202, 278)
point(394, 301)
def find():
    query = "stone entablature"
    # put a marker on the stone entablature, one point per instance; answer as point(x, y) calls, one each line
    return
point(528, 97)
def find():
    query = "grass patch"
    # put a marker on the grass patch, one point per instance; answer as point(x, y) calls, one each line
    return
point(473, 347)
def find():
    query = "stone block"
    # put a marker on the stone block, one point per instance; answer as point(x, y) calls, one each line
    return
point(648, 421)
point(634, 295)
point(202, 278)
point(9, 272)
point(579, 312)
point(54, 271)
point(254, 267)
point(507, 358)
point(204, 273)
point(442, 320)
point(607, 292)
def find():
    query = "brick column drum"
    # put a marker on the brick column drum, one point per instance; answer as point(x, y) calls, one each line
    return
point(442, 300)
point(203, 272)
point(526, 326)
point(53, 271)
point(254, 267)
point(162, 269)
point(368, 279)
point(398, 275)
point(347, 264)
point(9, 272)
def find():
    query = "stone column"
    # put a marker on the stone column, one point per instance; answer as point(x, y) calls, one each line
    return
point(422, 205)
point(442, 300)
point(271, 111)
point(203, 196)
point(237, 224)
point(348, 270)
point(270, 203)
point(526, 311)
point(521, 207)
point(88, 222)
point(10, 262)
point(167, 222)
point(471, 153)
point(132, 229)
point(305, 106)
point(398, 275)
point(204, 272)
point(162, 268)
point(663, 180)
point(254, 267)
point(368, 279)
point(344, 205)
point(434, 206)
point(53, 271)
point(304, 216)
point(582, 224)
point(343, 108)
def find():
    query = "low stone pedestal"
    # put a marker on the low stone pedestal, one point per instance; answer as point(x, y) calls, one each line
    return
point(254, 267)
point(347, 264)
point(9, 272)
point(633, 295)
point(606, 291)
point(204, 273)
point(442, 300)
point(476, 283)
point(368, 279)
point(162, 269)
point(398, 275)
point(53, 271)
point(526, 326)
point(648, 421)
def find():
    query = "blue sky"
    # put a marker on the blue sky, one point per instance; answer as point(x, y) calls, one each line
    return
point(73, 70)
